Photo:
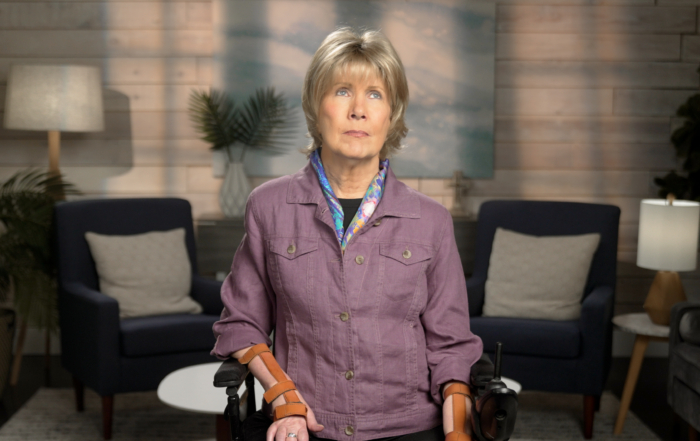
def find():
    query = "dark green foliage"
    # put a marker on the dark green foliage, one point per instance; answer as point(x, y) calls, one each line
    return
point(26, 265)
point(264, 122)
point(686, 140)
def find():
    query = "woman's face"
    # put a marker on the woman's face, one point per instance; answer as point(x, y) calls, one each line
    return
point(354, 117)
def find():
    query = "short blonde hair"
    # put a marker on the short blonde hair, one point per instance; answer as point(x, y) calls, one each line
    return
point(345, 51)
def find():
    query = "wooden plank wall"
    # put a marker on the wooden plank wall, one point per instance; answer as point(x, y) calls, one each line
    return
point(585, 90)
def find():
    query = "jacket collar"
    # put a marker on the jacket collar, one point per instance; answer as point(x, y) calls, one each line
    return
point(398, 199)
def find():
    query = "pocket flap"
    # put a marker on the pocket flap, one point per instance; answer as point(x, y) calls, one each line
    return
point(293, 247)
point(406, 253)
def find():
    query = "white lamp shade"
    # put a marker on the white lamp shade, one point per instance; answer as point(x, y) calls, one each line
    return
point(668, 235)
point(53, 97)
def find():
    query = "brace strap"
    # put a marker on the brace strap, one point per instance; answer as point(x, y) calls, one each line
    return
point(459, 412)
point(283, 387)
point(253, 352)
point(289, 409)
point(279, 389)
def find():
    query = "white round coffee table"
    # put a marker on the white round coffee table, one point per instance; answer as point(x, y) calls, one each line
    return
point(512, 384)
point(192, 389)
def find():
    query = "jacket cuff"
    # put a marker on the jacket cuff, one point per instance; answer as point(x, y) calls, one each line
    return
point(236, 338)
point(449, 369)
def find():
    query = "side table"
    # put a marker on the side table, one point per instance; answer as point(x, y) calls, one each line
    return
point(646, 331)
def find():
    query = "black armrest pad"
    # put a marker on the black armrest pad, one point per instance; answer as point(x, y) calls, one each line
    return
point(230, 373)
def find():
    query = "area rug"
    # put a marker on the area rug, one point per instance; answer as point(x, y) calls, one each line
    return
point(50, 415)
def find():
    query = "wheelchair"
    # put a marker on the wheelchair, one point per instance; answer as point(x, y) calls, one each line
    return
point(494, 406)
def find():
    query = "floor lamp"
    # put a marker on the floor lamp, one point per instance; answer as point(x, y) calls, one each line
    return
point(53, 98)
point(668, 243)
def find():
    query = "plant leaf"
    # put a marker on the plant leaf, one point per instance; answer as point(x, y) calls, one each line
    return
point(266, 122)
point(215, 117)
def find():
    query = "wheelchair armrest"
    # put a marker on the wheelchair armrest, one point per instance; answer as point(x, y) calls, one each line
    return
point(231, 373)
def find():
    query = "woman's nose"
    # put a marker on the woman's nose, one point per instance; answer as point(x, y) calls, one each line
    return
point(357, 110)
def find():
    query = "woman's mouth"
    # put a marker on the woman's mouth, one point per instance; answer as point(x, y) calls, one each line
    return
point(356, 133)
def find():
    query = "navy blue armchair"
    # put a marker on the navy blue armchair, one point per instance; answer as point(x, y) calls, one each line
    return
point(101, 351)
point(558, 356)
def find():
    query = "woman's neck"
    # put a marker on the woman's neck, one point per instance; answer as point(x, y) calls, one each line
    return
point(349, 178)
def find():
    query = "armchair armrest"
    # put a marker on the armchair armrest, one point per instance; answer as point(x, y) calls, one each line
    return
point(207, 293)
point(596, 337)
point(678, 311)
point(475, 293)
point(89, 322)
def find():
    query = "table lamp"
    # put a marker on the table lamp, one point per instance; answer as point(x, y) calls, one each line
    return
point(55, 98)
point(668, 243)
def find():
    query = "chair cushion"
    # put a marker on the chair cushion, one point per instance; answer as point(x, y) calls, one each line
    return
point(167, 334)
point(538, 277)
point(538, 338)
point(148, 274)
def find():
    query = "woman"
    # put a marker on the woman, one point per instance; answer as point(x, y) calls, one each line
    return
point(358, 274)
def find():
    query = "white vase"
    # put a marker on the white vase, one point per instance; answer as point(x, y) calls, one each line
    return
point(235, 190)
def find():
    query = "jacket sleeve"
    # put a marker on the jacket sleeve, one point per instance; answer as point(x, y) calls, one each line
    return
point(249, 302)
point(451, 347)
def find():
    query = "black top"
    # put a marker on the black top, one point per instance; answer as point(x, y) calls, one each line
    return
point(350, 207)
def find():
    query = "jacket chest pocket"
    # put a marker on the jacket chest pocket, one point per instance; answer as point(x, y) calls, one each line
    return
point(404, 267)
point(292, 262)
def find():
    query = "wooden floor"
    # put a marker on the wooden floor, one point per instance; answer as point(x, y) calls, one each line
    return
point(648, 403)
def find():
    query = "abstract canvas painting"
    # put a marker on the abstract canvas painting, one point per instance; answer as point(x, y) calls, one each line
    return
point(447, 47)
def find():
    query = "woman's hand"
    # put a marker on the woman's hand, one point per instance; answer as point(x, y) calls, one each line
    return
point(297, 425)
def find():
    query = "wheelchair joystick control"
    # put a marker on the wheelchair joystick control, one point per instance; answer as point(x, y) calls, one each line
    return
point(495, 407)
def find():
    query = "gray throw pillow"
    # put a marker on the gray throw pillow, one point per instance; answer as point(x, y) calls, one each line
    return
point(148, 274)
point(538, 277)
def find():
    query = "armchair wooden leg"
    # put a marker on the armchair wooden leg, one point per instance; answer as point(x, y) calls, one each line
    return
point(692, 433)
point(677, 423)
point(588, 413)
point(107, 412)
point(79, 394)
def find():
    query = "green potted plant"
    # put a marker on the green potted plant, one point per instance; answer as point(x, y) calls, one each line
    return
point(686, 141)
point(27, 270)
point(263, 123)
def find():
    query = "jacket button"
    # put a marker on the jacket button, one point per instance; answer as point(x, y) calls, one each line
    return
point(349, 430)
point(378, 223)
point(344, 316)
point(291, 249)
point(406, 254)
point(349, 375)
point(360, 260)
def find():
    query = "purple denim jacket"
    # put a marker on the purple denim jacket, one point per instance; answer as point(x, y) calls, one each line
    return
point(368, 337)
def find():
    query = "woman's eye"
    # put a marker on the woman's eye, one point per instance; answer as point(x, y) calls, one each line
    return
point(342, 92)
point(375, 95)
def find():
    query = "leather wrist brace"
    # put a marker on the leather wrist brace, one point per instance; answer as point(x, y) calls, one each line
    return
point(459, 412)
point(283, 387)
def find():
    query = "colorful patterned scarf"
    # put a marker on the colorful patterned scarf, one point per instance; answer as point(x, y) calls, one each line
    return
point(367, 207)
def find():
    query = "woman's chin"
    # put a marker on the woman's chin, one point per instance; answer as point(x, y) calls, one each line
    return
point(356, 153)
